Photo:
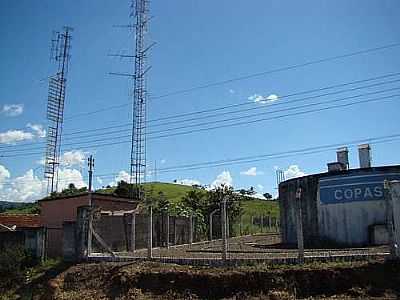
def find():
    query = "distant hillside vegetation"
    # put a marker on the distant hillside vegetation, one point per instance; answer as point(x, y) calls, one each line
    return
point(173, 192)
point(18, 207)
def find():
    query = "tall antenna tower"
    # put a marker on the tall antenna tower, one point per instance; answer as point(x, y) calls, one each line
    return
point(60, 48)
point(138, 146)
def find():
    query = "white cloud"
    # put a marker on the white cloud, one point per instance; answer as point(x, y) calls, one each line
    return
point(122, 175)
point(38, 129)
point(73, 158)
point(224, 178)
point(263, 99)
point(260, 187)
point(293, 171)
point(17, 135)
point(99, 180)
point(252, 172)
point(67, 176)
point(258, 196)
point(4, 175)
point(29, 187)
point(41, 162)
point(188, 182)
point(12, 110)
point(272, 98)
point(13, 136)
point(25, 188)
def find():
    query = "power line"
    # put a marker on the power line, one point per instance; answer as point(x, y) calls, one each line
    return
point(272, 112)
point(255, 108)
point(233, 112)
point(215, 127)
point(246, 77)
point(274, 104)
point(296, 66)
point(222, 121)
point(263, 157)
point(272, 118)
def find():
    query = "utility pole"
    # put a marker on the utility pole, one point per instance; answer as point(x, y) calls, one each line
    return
point(90, 171)
point(299, 225)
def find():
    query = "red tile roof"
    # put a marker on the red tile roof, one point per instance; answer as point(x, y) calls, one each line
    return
point(21, 220)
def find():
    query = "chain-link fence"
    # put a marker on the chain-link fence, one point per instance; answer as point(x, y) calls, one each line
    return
point(225, 234)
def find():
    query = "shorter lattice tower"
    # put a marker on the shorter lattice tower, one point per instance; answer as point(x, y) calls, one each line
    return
point(61, 45)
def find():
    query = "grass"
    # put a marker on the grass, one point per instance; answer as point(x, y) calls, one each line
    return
point(173, 192)
point(250, 207)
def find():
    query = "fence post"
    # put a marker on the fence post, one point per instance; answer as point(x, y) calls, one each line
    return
point(167, 230)
point(191, 229)
point(175, 236)
point(262, 223)
point(82, 223)
point(299, 226)
point(393, 202)
point(223, 227)
point(150, 233)
point(269, 223)
point(133, 231)
point(211, 223)
point(240, 225)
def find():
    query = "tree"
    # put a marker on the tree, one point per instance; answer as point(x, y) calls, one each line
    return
point(267, 196)
point(248, 192)
point(71, 190)
point(123, 189)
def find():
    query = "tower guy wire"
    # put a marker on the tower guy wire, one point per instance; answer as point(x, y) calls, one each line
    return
point(61, 44)
point(138, 138)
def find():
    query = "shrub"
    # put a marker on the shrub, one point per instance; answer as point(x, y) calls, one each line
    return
point(14, 260)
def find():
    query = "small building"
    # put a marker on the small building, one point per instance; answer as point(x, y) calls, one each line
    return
point(344, 206)
point(23, 230)
point(55, 211)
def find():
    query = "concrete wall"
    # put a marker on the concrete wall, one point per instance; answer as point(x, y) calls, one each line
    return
point(32, 240)
point(287, 198)
point(69, 241)
point(348, 223)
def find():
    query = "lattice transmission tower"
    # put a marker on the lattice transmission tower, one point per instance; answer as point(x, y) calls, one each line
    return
point(60, 49)
point(140, 10)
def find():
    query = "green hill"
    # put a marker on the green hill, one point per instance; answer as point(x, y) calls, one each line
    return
point(252, 209)
point(18, 207)
point(173, 192)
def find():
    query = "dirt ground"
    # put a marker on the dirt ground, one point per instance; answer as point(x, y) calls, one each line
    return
point(259, 246)
point(149, 280)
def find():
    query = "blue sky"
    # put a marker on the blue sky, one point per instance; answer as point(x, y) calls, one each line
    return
point(199, 42)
